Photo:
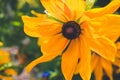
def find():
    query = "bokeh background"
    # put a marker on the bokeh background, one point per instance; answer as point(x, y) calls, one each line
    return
point(22, 48)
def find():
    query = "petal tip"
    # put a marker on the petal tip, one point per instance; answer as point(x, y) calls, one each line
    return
point(27, 69)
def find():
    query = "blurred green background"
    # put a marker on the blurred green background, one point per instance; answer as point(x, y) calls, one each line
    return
point(23, 48)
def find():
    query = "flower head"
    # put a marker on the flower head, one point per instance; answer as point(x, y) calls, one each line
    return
point(100, 65)
point(67, 29)
point(1, 43)
point(4, 56)
point(10, 73)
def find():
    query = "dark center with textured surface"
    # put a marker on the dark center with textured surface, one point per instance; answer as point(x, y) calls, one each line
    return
point(71, 30)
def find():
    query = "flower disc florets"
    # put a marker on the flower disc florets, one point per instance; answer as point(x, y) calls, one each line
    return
point(71, 30)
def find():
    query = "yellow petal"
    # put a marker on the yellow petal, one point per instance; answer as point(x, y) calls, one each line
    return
point(38, 14)
point(107, 66)
point(40, 26)
point(99, 43)
point(118, 54)
point(107, 25)
point(103, 47)
point(69, 14)
point(117, 62)
point(77, 7)
point(55, 8)
point(56, 44)
point(118, 50)
point(114, 37)
point(50, 49)
point(94, 61)
point(85, 59)
point(118, 45)
point(42, 40)
point(110, 8)
point(11, 72)
point(98, 72)
point(4, 56)
point(44, 58)
point(70, 59)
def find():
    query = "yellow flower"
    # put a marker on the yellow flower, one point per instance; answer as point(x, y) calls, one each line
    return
point(68, 30)
point(10, 72)
point(4, 56)
point(1, 43)
point(100, 65)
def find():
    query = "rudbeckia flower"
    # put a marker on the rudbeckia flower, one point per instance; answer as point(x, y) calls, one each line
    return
point(100, 65)
point(4, 56)
point(1, 43)
point(67, 29)
point(10, 72)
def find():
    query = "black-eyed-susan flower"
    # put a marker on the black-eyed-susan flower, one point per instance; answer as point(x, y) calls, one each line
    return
point(11, 72)
point(4, 57)
point(100, 66)
point(67, 29)
point(1, 43)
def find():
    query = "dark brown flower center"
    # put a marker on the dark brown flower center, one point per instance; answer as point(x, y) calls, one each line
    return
point(71, 30)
